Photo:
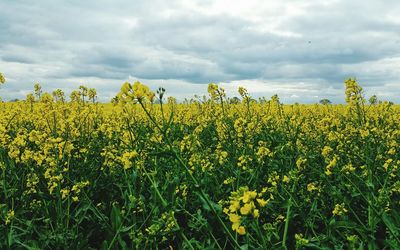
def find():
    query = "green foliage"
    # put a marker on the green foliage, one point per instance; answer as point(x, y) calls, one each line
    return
point(210, 174)
point(325, 101)
point(373, 100)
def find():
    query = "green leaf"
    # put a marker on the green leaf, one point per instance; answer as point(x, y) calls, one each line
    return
point(122, 243)
point(244, 247)
point(345, 224)
point(115, 218)
point(10, 237)
point(205, 204)
point(390, 224)
point(126, 229)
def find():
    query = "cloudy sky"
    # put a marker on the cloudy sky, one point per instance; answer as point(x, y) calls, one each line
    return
point(300, 49)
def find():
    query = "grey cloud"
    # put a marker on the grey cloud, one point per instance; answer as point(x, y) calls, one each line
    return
point(105, 41)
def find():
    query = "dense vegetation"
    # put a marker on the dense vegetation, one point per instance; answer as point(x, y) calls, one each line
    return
point(204, 175)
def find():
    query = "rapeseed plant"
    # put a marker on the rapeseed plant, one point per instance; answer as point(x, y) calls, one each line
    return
point(136, 174)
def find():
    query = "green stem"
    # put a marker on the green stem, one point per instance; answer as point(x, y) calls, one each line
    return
point(285, 231)
point(164, 203)
point(197, 184)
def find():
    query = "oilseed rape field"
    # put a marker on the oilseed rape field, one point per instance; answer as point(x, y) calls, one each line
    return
point(147, 172)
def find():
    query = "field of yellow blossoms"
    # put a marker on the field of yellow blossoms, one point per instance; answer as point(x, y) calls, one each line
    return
point(146, 172)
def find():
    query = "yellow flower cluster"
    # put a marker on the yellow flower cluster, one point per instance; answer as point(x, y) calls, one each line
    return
point(353, 91)
point(182, 190)
point(243, 203)
point(216, 92)
point(126, 159)
point(9, 216)
point(31, 183)
point(135, 93)
point(2, 79)
point(166, 224)
point(313, 187)
point(263, 151)
point(154, 156)
point(300, 240)
point(74, 191)
point(243, 162)
point(348, 168)
point(339, 209)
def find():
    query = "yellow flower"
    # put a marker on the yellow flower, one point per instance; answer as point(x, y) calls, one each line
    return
point(229, 180)
point(235, 226)
point(339, 209)
point(248, 196)
point(64, 193)
point(226, 211)
point(392, 151)
point(280, 218)
point(311, 187)
point(246, 209)
point(256, 213)
point(241, 230)
point(235, 205)
point(2, 79)
point(387, 164)
point(127, 158)
point(326, 151)
point(300, 241)
point(300, 163)
point(348, 168)
point(330, 166)
point(10, 215)
point(262, 202)
point(234, 218)
point(285, 179)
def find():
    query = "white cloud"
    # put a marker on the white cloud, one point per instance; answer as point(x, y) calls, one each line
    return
point(299, 49)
